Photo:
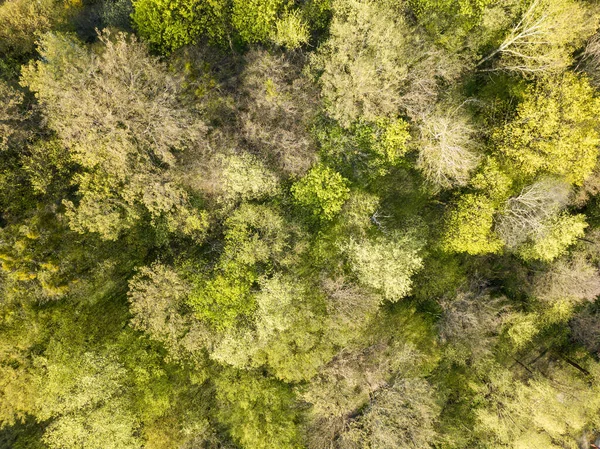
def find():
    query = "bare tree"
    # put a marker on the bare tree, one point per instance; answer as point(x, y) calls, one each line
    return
point(525, 216)
point(276, 109)
point(446, 148)
point(544, 37)
point(585, 328)
point(471, 321)
point(574, 279)
point(590, 60)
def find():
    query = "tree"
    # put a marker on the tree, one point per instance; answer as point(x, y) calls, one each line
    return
point(157, 297)
point(554, 131)
point(402, 415)
point(526, 215)
point(365, 151)
point(254, 20)
point(239, 177)
point(258, 411)
point(117, 14)
point(584, 328)
point(545, 36)
point(470, 325)
point(446, 149)
point(120, 117)
point(349, 383)
point(291, 30)
point(322, 191)
point(168, 25)
point(21, 20)
point(255, 239)
point(287, 335)
point(375, 65)
point(13, 118)
point(469, 226)
point(560, 232)
point(386, 264)
point(568, 279)
point(276, 110)
point(448, 17)
point(511, 415)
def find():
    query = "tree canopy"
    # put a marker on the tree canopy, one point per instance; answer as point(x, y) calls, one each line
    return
point(299, 224)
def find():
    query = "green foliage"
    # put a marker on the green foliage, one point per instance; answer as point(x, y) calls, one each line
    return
point(462, 14)
point(561, 232)
point(255, 19)
point(555, 130)
point(168, 24)
point(386, 264)
point(469, 226)
point(306, 224)
point(391, 141)
point(364, 150)
point(257, 410)
point(222, 300)
point(117, 14)
point(291, 31)
point(113, 185)
point(253, 240)
point(322, 191)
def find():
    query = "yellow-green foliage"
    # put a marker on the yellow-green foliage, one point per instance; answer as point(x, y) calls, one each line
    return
point(391, 139)
point(254, 19)
point(291, 30)
point(169, 24)
point(323, 191)
point(258, 410)
point(22, 20)
point(222, 300)
point(469, 226)
point(492, 181)
point(555, 130)
point(386, 264)
point(560, 233)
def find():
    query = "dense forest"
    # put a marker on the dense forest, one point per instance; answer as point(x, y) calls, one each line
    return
point(299, 224)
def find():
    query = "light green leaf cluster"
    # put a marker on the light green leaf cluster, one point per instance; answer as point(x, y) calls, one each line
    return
point(386, 264)
point(169, 24)
point(323, 191)
point(243, 177)
point(254, 19)
point(291, 30)
point(375, 64)
point(469, 226)
point(258, 410)
point(555, 130)
point(560, 233)
point(255, 234)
